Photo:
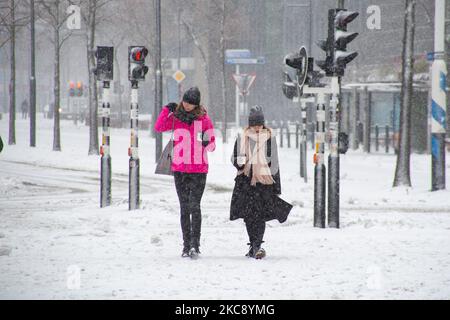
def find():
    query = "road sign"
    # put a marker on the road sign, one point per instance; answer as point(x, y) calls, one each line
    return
point(244, 81)
point(179, 76)
point(237, 53)
point(259, 60)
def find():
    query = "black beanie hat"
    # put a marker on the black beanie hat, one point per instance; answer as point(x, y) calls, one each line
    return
point(192, 96)
point(256, 116)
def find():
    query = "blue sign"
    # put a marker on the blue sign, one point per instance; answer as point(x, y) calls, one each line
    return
point(259, 60)
point(237, 53)
point(430, 56)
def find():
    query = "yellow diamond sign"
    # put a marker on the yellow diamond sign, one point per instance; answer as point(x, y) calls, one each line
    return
point(179, 76)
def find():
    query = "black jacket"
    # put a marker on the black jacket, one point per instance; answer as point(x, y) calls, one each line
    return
point(272, 160)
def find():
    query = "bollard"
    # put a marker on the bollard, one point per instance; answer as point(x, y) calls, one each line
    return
point(360, 133)
point(377, 133)
point(288, 136)
point(281, 136)
point(386, 138)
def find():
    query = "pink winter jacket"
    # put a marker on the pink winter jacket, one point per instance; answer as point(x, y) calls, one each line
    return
point(189, 155)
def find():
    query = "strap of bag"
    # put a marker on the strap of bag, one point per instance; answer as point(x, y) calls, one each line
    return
point(171, 138)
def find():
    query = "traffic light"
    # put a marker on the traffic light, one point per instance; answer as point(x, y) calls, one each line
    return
point(327, 64)
point(341, 57)
point(335, 46)
point(105, 62)
point(136, 63)
point(79, 89)
point(298, 61)
point(313, 76)
point(71, 89)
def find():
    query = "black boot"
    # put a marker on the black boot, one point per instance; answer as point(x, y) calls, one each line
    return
point(251, 238)
point(186, 230)
point(258, 252)
point(250, 253)
point(195, 248)
point(195, 231)
point(185, 252)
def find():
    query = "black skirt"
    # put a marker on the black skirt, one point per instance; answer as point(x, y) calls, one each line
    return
point(257, 202)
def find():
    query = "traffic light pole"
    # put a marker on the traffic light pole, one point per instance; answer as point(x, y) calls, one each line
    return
point(333, 158)
point(133, 187)
point(303, 142)
point(319, 169)
point(438, 105)
point(238, 107)
point(105, 175)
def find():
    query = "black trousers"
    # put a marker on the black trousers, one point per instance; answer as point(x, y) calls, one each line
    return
point(255, 229)
point(190, 187)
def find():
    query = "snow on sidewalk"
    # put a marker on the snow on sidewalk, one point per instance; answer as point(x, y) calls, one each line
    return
point(56, 243)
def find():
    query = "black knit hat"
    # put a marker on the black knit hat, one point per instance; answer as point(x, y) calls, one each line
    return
point(256, 116)
point(192, 96)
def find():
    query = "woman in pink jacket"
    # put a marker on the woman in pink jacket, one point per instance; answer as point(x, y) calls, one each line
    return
point(193, 139)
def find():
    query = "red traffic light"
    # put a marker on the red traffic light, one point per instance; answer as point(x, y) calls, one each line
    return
point(136, 63)
point(139, 54)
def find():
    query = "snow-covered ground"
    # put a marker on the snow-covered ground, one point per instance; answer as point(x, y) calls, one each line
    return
point(55, 241)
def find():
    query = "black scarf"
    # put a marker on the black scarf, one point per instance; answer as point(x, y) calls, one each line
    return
point(184, 116)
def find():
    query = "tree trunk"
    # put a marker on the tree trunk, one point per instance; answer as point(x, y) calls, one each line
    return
point(57, 104)
point(158, 78)
point(402, 171)
point(223, 75)
point(12, 83)
point(93, 98)
point(32, 78)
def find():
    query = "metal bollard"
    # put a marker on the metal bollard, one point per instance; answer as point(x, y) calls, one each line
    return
point(288, 136)
point(377, 135)
point(386, 138)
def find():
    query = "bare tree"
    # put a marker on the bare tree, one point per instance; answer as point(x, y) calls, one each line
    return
point(402, 171)
point(221, 5)
point(9, 24)
point(91, 20)
point(54, 14)
point(215, 27)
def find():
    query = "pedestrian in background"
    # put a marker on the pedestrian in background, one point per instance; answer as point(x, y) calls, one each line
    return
point(24, 108)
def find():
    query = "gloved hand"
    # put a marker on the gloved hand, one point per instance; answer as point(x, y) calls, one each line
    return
point(205, 139)
point(172, 106)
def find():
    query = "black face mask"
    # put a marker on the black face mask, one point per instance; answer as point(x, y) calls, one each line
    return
point(184, 116)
